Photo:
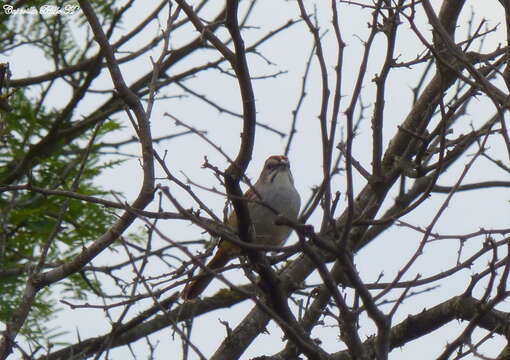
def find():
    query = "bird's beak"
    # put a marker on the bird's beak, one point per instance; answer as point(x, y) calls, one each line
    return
point(284, 164)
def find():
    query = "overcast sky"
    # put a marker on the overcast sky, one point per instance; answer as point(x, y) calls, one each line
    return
point(276, 98)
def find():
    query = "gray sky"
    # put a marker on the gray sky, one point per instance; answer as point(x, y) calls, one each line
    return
point(276, 98)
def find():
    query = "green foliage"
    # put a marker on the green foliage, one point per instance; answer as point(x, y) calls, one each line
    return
point(30, 218)
point(77, 286)
point(35, 27)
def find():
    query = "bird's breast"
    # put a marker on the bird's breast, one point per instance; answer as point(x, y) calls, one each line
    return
point(286, 203)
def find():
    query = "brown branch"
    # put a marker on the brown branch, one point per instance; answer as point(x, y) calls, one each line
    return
point(206, 32)
point(38, 281)
point(474, 186)
point(326, 138)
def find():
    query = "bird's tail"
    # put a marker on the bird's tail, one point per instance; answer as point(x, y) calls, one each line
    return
point(197, 286)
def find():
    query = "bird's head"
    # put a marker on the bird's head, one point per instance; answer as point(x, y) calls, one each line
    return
point(273, 167)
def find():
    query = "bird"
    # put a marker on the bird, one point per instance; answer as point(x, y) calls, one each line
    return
point(273, 190)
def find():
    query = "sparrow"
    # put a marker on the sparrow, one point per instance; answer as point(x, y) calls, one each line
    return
point(274, 190)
